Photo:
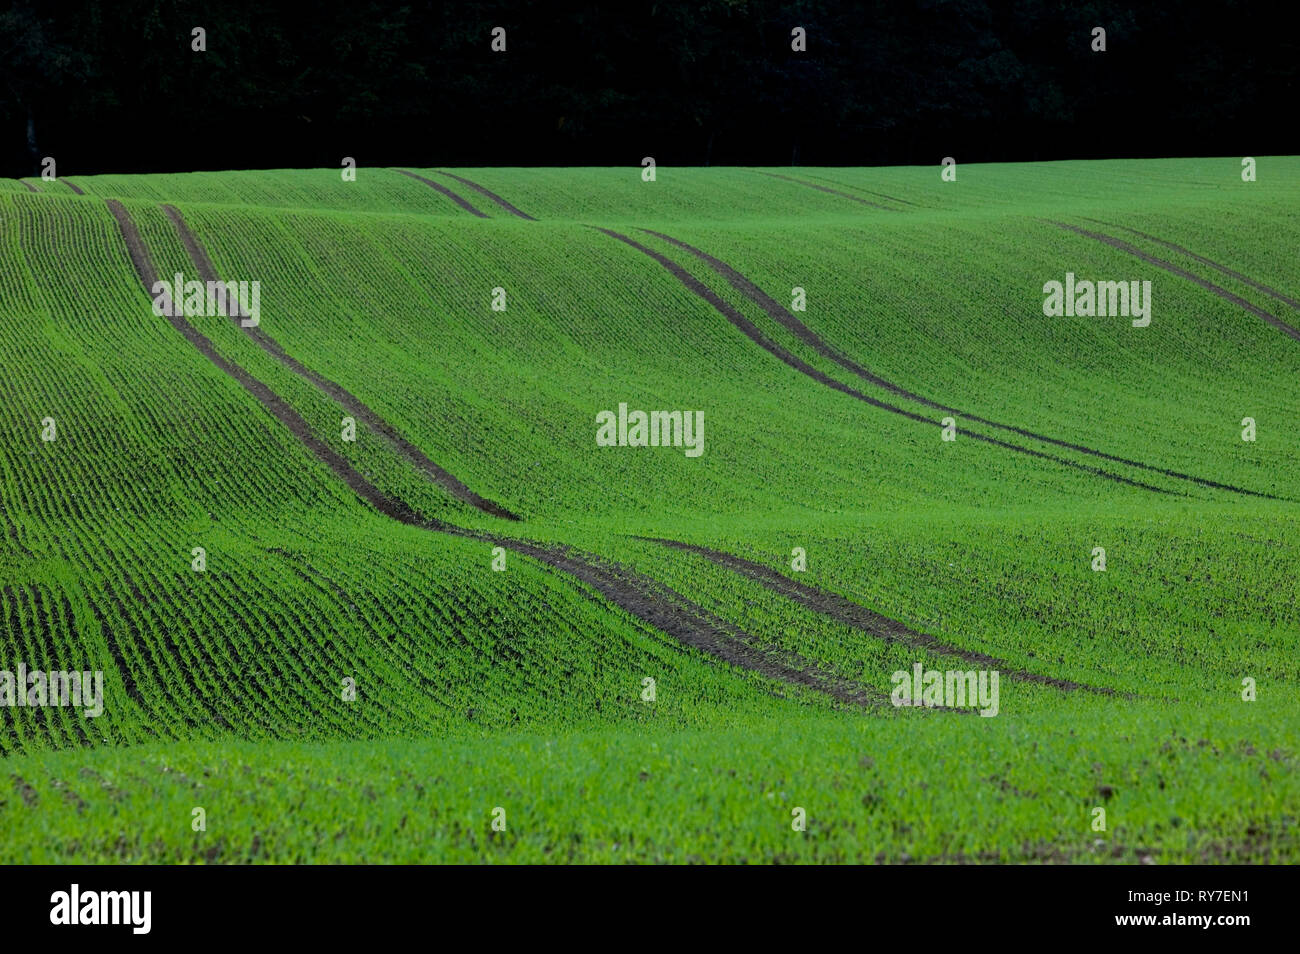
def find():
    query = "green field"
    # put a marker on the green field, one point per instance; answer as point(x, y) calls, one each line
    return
point(432, 643)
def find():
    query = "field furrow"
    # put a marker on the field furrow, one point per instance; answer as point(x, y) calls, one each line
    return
point(203, 264)
point(1223, 293)
point(784, 317)
point(1259, 286)
point(490, 194)
point(458, 199)
point(752, 332)
point(829, 191)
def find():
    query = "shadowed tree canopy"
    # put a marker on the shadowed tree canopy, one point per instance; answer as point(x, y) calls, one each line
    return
point(114, 85)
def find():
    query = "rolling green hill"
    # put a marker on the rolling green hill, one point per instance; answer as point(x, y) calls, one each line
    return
point(640, 653)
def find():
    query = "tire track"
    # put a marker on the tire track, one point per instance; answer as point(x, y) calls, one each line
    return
point(1214, 289)
point(748, 328)
point(868, 621)
point(641, 597)
point(276, 405)
point(670, 612)
point(822, 188)
point(1258, 286)
point(459, 200)
point(891, 198)
point(491, 195)
point(30, 187)
point(74, 188)
point(207, 271)
point(784, 317)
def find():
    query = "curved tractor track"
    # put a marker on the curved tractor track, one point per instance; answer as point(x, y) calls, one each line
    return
point(444, 478)
point(1214, 289)
point(641, 597)
point(882, 195)
point(779, 313)
point(748, 328)
point(859, 617)
point(1258, 286)
point(458, 199)
point(829, 190)
point(277, 406)
point(491, 195)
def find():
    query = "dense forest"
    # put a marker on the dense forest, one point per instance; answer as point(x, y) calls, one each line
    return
point(120, 87)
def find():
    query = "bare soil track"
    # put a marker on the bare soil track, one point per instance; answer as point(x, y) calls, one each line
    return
point(459, 200)
point(1258, 286)
point(859, 617)
point(752, 332)
point(827, 189)
point(276, 405)
point(891, 198)
point(491, 195)
point(784, 317)
point(1214, 289)
point(670, 612)
point(444, 478)
point(74, 188)
point(30, 187)
point(641, 597)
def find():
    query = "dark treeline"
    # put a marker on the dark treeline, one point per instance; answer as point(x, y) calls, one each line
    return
point(114, 86)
